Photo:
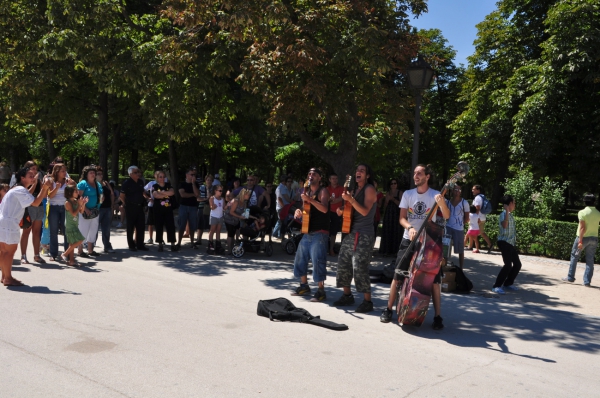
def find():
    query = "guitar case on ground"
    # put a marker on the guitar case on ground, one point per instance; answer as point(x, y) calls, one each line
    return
point(282, 309)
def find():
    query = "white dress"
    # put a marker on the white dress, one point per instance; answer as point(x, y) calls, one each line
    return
point(11, 213)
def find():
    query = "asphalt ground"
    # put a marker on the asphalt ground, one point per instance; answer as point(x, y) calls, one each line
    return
point(184, 324)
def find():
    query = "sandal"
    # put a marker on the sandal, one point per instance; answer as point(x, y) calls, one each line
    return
point(65, 259)
point(39, 259)
point(24, 259)
point(14, 282)
point(74, 264)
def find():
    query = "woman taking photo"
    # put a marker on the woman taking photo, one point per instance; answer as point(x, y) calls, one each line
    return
point(163, 192)
point(105, 215)
point(392, 231)
point(11, 213)
point(36, 214)
point(234, 212)
point(88, 219)
point(56, 216)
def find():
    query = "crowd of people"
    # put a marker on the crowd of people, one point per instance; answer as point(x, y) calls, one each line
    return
point(44, 205)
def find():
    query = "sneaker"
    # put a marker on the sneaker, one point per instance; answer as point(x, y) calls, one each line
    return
point(149, 241)
point(301, 290)
point(109, 251)
point(364, 307)
point(498, 290)
point(119, 225)
point(344, 300)
point(437, 323)
point(319, 296)
point(586, 285)
point(566, 279)
point(511, 288)
point(94, 254)
point(386, 316)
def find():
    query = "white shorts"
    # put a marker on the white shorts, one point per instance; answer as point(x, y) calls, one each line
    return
point(10, 236)
point(88, 228)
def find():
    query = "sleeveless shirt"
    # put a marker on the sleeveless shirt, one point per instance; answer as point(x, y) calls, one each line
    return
point(363, 224)
point(319, 221)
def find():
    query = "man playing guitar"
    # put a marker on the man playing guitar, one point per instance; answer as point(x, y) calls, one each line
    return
point(313, 245)
point(357, 247)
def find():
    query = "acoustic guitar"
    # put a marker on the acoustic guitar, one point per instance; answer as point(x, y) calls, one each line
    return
point(348, 209)
point(306, 209)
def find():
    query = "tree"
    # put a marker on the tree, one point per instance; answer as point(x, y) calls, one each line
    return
point(323, 69)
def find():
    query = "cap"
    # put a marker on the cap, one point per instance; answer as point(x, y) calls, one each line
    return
point(316, 170)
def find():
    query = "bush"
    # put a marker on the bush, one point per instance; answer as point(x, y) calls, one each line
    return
point(540, 237)
point(536, 198)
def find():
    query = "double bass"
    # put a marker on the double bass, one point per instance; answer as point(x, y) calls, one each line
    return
point(425, 263)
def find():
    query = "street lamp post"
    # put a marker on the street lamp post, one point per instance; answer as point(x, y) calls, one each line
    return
point(420, 74)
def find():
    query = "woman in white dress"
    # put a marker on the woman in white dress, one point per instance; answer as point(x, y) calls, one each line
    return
point(12, 209)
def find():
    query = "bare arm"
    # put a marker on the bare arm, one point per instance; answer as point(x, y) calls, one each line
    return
point(370, 199)
point(405, 224)
point(582, 229)
point(52, 193)
point(322, 204)
point(442, 203)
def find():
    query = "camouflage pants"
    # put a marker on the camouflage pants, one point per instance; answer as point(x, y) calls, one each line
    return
point(353, 262)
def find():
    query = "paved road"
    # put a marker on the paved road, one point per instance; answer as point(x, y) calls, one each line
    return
point(185, 325)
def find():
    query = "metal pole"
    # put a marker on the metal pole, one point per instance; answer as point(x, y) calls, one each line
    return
point(415, 152)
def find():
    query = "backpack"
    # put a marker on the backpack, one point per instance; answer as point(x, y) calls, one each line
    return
point(463, 284)
point(282, 309)
point(486, 205)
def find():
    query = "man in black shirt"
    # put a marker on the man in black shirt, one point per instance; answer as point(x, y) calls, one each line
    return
point(134, 197)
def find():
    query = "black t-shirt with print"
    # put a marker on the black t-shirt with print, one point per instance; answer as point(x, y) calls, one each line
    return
point(164, 202)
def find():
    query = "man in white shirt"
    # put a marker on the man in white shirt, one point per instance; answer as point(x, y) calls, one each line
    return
point(415, 206)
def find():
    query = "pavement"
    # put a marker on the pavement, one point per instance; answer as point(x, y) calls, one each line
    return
point(184, 324)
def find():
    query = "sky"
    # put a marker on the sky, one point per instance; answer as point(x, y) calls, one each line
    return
point(456, 19)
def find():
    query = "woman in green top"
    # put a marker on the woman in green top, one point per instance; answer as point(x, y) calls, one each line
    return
point(507, 242)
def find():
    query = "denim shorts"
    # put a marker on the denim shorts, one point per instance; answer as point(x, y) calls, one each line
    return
point(36, 213)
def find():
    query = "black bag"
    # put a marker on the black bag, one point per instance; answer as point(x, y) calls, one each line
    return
point(282, 309)
point(26, 220)
point(463, 284)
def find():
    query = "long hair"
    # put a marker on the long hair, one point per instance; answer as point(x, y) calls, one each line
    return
point(86, 170)
point(69, 191)
point(21, 173)
point(56, 169)
point(369, 172)
point(241, 195)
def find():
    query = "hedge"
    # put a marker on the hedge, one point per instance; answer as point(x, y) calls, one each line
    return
point(540, 237)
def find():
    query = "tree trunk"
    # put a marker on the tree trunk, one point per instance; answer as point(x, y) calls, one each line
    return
point(11, 158)
point(135, 153)
point(114, 169)
point(50, 145)
point(174, 171)
point(103, 130)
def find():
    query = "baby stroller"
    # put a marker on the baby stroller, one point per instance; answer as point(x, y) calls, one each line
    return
point(254, 241)
point(292, 236)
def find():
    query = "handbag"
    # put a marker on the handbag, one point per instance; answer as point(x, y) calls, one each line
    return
point(94, 212)
point(26, 220)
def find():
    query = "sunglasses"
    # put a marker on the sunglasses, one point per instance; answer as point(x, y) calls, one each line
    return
point(218, 190)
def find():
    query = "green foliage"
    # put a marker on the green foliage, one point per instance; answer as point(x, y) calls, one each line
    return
point(535, 198)
point(540, 237)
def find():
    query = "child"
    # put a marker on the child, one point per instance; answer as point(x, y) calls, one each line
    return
point(73, 206)
point(473, 232)
point(251, 231)
point(216, 203)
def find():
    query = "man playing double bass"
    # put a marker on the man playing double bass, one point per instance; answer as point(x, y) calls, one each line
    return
point(414, 210)
point(357, 247)
point(313, 245)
